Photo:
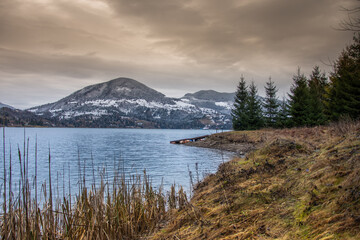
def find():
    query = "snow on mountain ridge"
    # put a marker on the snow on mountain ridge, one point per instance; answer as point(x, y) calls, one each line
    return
point(123, 97)
point(118, 104)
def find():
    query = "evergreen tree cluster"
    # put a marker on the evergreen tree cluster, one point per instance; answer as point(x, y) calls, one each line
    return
point(312, 101)
point(307, 99)
point(250, 112)
point(343, 93)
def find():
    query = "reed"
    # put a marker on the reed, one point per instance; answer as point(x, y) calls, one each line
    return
point(126, 207)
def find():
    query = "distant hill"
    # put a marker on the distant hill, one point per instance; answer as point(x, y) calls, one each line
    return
point(2, 105)
point(17, 118)
point(124, 102)
point(211, 95)
point(220, 102)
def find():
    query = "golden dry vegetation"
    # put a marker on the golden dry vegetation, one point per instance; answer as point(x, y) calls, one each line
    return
point(301, 183)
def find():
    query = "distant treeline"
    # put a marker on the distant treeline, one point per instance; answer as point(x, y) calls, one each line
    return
point(312, 101)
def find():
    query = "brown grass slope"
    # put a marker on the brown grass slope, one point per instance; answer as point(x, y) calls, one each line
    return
point(299, 184)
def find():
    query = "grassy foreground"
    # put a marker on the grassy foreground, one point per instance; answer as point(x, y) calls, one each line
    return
point(299, 183)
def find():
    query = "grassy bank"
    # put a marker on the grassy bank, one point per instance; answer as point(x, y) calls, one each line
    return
point(301, 183)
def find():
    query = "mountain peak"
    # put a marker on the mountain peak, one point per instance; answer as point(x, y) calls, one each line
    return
point(123, 81)
point(119, 88)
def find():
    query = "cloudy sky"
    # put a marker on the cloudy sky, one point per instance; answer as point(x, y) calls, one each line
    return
point(51, 48)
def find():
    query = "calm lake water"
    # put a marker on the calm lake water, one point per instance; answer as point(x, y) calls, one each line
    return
point(128, 150)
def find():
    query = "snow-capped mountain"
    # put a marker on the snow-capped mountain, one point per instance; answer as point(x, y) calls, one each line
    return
point(124, 102)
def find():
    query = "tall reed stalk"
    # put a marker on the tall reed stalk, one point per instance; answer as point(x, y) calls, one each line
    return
point(5, 200)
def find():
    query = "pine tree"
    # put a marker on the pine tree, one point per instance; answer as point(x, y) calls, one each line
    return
point(238, 113)
point(344, 90)
point(254, 109)
point(299, 100)
point(317, 84)
point(270, 104)
point(283, 120)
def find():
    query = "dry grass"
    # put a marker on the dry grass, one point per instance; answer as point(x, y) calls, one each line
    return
point(301, 183)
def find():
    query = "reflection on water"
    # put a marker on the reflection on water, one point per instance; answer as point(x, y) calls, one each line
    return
point(77, 151)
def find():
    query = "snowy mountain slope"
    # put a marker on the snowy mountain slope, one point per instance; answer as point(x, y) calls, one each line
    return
point(221, 102)
point(124, 102)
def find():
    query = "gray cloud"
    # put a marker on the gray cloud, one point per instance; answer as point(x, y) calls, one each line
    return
point(222, 32)
point(175, 46)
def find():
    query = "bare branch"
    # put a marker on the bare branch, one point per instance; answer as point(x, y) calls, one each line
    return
point(352, 23)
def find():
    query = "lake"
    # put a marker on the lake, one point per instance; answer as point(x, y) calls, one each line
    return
point(75, 151)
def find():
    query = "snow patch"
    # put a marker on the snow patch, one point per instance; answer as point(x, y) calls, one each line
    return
point(226, 105)
point(54, 111)
point(102, 103)
point(71, 114)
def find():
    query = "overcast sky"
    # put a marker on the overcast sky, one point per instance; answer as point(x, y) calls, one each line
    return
point(51, 48)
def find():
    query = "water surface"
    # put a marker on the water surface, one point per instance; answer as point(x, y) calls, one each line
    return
point(74, 151)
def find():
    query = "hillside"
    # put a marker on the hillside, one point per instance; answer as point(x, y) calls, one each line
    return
point(299, 183)
point(2, 105)
point(18, 118)
point(125, 102)
point(221, 102)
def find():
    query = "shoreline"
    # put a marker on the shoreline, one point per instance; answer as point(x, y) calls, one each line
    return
point(242, 144)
